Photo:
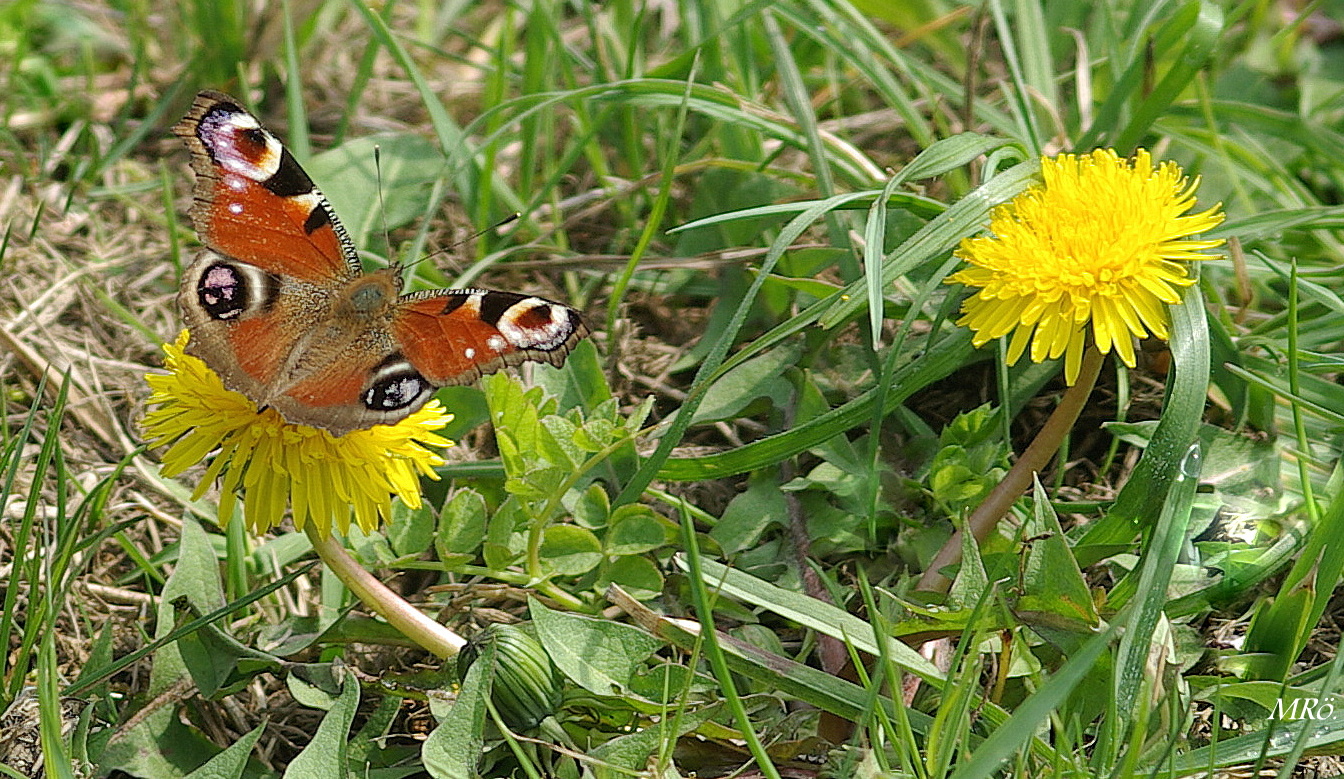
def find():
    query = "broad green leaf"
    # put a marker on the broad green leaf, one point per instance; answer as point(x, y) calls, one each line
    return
point(325, 754)
point(598, 655)
point(453, 750)
point(592, 508)
point(219, 663)
point(462, 526)
point(408, 165)
point(635, 529)
point(504, 544)
point(761, 377)
point(410, 531)
point(563, 433)
point(972, 580)
point(230, 763)
point(317, 685)
point(750, 513)
point(570, 550)
point(635, 574)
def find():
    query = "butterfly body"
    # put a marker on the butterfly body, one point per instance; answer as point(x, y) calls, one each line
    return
point(278, 305)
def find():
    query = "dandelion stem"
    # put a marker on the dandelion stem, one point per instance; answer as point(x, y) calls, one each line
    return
point(987, 515)
point(430, 635)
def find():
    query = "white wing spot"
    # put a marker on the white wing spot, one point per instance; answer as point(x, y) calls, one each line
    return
point(224, 144)
point(309, 200)
point(469, 353)
point(235, 208)
point(546, 337)
point(496, 343)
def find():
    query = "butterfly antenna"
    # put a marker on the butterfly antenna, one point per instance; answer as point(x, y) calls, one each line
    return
point(506, 220)
point(382, 205)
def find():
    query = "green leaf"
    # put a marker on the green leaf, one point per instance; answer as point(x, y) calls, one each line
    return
point(935, 362)
point(637, 575)
point(1193, 33)
point(596, 434)
point(325, 754)
point(563, 434)
point(316, 685)
point(453, 750)
point(598, 655)
point(159, 744)
point(1278, 632)
point(525, 439)
point(750, 513)
point(1139, 502)
point(570, 550)
point(1145, 615)
point(410, 531)
point(536, 482)
point(230, 763)
point(1015, 734)
point(965, 217)
point(1052, 582)
point(1264, 694)
point(632, 751)
point(1275, 741)
point(812, 685)
point(635, 529)
point(972, 580)
point(462, 526)
point(408, 164)
point(219, 664)
point(504, 545)
point(593, 507)
point(761, 377)
point(811, 613)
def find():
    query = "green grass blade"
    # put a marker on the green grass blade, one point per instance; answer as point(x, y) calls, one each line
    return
point(1016, 733)
point(812, 613)
point(936, 362)
point(1140, 500)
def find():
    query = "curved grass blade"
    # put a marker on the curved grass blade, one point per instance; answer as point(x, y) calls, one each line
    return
point(937, 362)
point(1140, 500)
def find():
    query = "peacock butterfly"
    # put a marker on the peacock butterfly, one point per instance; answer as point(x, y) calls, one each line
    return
point(278, 305)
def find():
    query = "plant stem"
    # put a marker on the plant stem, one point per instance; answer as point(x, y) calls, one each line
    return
point(400, 614)
point(1043, 447)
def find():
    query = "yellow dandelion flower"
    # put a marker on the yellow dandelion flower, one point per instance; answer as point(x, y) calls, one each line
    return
point(274, 464)
point(1097, 247)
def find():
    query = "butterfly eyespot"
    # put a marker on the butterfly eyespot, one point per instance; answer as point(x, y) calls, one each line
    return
point(227, 291)
point(397, 387)
point(223, 292)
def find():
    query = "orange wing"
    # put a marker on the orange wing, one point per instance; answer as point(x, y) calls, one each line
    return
point(454, 336)
point(253, 201)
